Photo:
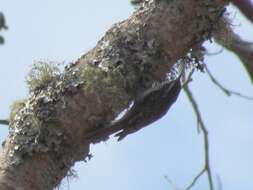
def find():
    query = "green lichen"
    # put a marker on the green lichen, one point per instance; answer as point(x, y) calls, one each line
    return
point(35, 123)
point(94, 77)
point(106, 84)
point(15, 108)
point(41, 73)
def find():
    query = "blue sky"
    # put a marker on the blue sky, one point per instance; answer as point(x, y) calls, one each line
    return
point(64, 30)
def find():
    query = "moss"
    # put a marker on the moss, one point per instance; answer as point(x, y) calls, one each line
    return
point(15, 108)
point(40, 74)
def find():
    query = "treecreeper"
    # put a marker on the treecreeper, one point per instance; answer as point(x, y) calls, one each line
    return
point(146, 109)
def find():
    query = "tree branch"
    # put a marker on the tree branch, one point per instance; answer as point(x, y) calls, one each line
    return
point(48, 132)
point(202, 127)
point(173, 187)
point(245, 6)
point(223, 89)
point(195, 179)
point(4, 122)
point(226, 37)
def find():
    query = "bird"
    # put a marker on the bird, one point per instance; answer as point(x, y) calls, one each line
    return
point(150, 106)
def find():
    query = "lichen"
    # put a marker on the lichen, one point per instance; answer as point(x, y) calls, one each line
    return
point(15, 108)
point(34, 136)
point(94, 77)
point(41, 73)
point(107, 84)
point(34, 121)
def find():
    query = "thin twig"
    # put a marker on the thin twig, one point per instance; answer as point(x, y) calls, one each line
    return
point(187, 80)
point(4, 122)
point(195, 179)
point(225, 90)
point(219, 183)
point(170, 182)
point(205, 139)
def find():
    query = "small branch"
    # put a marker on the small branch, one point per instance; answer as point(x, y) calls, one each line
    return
point(227, 38)
point(225, 90)
point(170, 182)
point(219, 183)
point(195, 179)
point(205, 138)
point(245, 6)
point(4, 122)
point(187, 79)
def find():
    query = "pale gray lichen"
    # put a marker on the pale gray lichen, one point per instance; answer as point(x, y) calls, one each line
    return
point(30, 135)
point(127, 54)
point(15, 108)
point(35, 124)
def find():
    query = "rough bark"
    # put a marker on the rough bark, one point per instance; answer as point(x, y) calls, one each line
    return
point(47, 134)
